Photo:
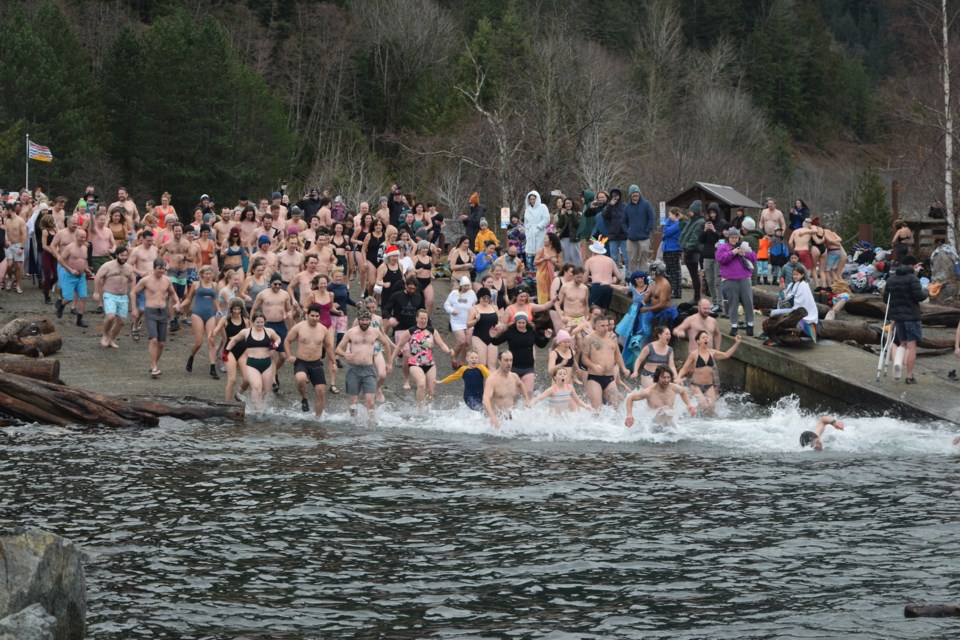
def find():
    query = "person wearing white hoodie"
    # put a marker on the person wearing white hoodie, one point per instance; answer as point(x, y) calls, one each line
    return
point(536, 217)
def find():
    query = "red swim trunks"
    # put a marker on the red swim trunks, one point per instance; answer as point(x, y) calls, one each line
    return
point(805, 259)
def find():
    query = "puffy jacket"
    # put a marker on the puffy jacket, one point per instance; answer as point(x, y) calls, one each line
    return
point(690, 236)
point(608, 222)
point(671, 236)
point(637, 219)
point(568, 221)
point(708, 242)
point(732, 266)
point(904, 295)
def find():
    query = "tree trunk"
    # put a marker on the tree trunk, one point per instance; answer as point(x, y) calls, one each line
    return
point(914, 610)
point(783, 328)
point(39, 401)
point(35, 336)
point(46, 369)
point(930, 314)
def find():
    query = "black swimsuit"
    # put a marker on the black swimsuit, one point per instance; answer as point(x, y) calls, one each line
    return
point(485, 322)
point(232, 330)
point(561, 361)
point(424, 282)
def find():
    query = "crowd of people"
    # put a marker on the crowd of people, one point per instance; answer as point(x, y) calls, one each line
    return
point(268, 286)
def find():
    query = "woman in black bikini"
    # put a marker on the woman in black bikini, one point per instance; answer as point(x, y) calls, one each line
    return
point(341, 245)
point(461, 260)
point(701, 366)
point(231, 325)
point(259, 342)
point(657, 353)
point(423, 264)
point(373, 249)
point(360, 233)
point(562, 356)
point(483, 316)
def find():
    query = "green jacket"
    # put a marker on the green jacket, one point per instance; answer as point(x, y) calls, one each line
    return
point(690, 234)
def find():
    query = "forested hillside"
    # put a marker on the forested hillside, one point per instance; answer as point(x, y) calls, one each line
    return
point(787, 97)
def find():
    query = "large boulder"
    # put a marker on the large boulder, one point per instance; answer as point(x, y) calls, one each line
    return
point(32, 623)
point(38, 567)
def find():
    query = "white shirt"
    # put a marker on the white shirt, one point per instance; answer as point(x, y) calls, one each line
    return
point(803, 297)
point(461, 304)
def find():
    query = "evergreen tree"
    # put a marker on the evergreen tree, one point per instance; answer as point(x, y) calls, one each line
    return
point(867, 204)
point(123, 96)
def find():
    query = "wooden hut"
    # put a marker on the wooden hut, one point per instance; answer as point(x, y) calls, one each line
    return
point(728, 198)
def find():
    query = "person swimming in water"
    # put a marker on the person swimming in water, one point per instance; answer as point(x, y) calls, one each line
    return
point(660, 398)
point(814, 439)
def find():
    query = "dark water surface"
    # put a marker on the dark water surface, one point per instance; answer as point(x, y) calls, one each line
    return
point(442, 529)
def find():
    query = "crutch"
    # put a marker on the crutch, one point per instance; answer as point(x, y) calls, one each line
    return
point(886, 339)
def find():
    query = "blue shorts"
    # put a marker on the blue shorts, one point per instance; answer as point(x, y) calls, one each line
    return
point(833, 258)
point(71, 284)
point(281, 329)
point(116, 305)
point(909, 331)
point(141, 297)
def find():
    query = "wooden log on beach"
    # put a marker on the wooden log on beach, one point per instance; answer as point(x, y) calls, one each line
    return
point(39, 401)
point(46, 369)
point(766, 299)
point(915, 610)
point(930, 314)
point(783, 328)
point(32, 336)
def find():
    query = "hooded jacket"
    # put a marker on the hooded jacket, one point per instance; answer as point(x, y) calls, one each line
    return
point(535, 221)
point(692, 228)
point(589, 218)
point(608, 222)
point(637, 219)
point(472, 224)
point(904, 294)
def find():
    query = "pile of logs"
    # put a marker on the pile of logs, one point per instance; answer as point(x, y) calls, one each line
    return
point(35, 337)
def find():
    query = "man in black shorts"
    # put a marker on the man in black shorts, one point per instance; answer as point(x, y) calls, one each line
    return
point(312, 340)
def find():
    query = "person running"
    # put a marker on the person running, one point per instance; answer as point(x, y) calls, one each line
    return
point(502, 390)
point(656, 354)
point(141, 260)
point(660, 398)
point(603, 361)
point(158, 291)
point(560, 396)
point(421, 362)
point(313, 340)
point(483, 317)
point(521, 337)
point(111, 288)
point(473, 375)
point(458, 306)
point(814, 439)
point(233, 323)
point(423, 264)
point(562, 354)
point(259, 341)
point(701, 366)
point(73, 280)
point(357, 348)
point(203, 302)
point(277, 308)
point(379, 357)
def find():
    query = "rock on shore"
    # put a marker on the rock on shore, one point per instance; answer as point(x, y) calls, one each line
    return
point(41, 568)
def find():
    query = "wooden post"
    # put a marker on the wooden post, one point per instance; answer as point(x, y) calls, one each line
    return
point(865, 232)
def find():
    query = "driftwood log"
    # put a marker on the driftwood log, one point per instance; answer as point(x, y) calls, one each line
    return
point(915, 610)
point(930, 314)
point(783, 328)
point(39, 401)
point(32, 336)
point(46, 369)
point(765, 299)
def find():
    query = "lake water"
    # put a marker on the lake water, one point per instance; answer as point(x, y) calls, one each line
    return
point(435, 526)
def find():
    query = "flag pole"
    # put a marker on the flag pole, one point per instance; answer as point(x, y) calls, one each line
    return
point(26, 171)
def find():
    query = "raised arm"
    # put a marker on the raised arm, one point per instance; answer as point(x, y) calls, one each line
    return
point(723, 355)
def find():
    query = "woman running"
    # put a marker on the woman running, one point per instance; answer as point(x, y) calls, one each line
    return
point(202, 300)
point(261, 370)
point(421, 342)
point(458, 306)
point(657, 353)
point(701, 366)
point(230, 325)
point(483, 317)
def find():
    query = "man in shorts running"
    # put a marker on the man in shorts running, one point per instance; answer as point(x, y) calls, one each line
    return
point(312, 340)
point(277, 308)
point(112, 289)
point(356, 347)
point(158, 290)
point(76, 268)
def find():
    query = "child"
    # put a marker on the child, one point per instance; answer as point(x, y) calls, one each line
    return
point(779, 253)
point(484, 236)
point(473, 374)
point(560, 396)
point(763, 260)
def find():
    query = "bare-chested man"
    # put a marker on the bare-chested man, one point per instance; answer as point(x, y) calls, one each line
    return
point(512, 268)
point(299, 288)
point(290, 260)
point(700, 321)
point(800, 241)
point(17, 237)
point(112, 288)
point(573, 300)
point(602, 272)
point(326, 256)
point(76, 268)
point(660, 398)
point(357, 348)
point(502, 389)
point(182, 272)
point(601, 356)
point(771, 219)
point(266, 256)
point(123, 200)
point(312, 340)
point(102, 243)
point(141, 261)
point(221, 228)
point(158, 290)
point(266, 228)
point(277, 307)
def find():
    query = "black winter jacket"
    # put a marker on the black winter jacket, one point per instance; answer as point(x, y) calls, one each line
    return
point(904, 295)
